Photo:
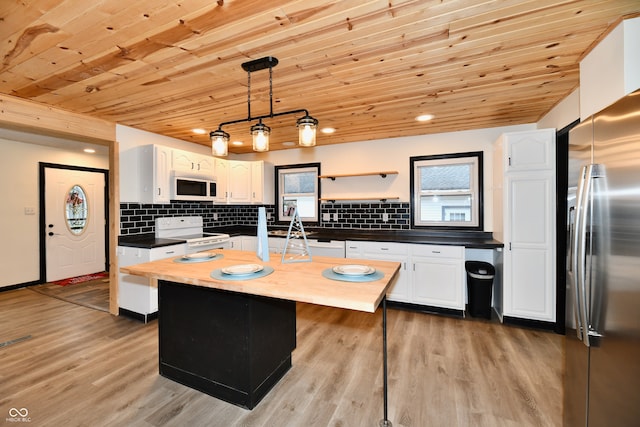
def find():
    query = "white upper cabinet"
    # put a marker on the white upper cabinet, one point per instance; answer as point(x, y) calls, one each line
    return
point(155, 173)
point(262, 183)
point(240, 182)
point(192, 163)
point(222, 180)
point(530, 150)
point(612, 69)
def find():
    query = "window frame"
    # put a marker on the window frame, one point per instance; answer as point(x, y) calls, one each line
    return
point(296, 168)
point(477, 190)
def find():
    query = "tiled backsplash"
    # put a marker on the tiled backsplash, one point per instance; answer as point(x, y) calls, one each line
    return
point(136, 218)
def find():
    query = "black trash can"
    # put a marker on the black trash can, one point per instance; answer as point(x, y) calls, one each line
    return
point(479, 286)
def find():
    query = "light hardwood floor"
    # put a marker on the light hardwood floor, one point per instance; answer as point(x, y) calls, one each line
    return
point(92, 294)
point(83, 367)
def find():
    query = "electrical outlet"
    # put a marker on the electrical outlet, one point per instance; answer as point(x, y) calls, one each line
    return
point(335, 216)
point(385, 217)
point(29, 210)
point(215, 216)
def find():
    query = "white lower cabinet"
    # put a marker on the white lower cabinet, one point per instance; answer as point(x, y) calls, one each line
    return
point(243, 243)
point(385, 251)
point(430, 275)
point(134, 292)
point(437, 276)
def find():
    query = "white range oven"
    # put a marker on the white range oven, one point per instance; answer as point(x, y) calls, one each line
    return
point(190, 229)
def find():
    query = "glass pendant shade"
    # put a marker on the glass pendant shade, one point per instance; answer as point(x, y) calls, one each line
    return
point(260, 134)
point(219, 142)
point(307, 126)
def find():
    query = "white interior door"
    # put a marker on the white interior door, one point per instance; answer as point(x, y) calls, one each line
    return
point(75, 223)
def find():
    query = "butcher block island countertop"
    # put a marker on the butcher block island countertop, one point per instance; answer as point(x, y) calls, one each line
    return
point(233, 339)
point(295, 281)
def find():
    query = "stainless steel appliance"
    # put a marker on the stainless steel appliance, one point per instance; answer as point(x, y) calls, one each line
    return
point(602, 379)
point(190, 228)
point(188, 188)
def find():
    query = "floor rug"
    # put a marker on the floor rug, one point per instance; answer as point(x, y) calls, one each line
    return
point(82, 279)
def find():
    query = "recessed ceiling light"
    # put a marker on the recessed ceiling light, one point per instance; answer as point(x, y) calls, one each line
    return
point(89, 150)
point(199, 131)
point(327, 130)
point(237, 143)
point(425, 117)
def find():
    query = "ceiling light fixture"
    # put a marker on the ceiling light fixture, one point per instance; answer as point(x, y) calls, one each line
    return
point(425, 117)
point(260, 132)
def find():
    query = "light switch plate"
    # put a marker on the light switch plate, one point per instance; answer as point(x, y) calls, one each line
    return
point(326, 217)
point(335, 216)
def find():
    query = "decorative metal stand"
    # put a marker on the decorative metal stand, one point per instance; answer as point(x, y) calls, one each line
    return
point(295, 250)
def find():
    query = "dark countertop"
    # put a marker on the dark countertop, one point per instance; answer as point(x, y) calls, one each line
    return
point(146, 241)
point(477, 240)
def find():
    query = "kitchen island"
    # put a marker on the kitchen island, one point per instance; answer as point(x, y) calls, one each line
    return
point(232, 336)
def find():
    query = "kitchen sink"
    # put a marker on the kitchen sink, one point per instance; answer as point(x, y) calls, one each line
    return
point(283, 233)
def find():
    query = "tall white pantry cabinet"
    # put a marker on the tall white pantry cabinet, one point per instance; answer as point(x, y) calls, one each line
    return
point(524, 220)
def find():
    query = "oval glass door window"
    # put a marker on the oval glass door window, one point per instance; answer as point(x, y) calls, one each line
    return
point(76, 210)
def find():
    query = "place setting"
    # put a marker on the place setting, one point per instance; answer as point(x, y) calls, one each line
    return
point(352, 273)
point(198, 257)
point(241, 272)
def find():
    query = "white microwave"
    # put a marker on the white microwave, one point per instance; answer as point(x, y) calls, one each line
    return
point(188, 188)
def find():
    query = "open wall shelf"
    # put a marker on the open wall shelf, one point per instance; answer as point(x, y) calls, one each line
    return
point(337, 199)
point(383, 174)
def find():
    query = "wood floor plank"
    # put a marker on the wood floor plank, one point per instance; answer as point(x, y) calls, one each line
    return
point(85, 367)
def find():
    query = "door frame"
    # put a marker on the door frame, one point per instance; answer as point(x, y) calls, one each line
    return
point(42, 167)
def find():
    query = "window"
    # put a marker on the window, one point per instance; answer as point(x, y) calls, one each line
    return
point(446, 191)
point(298, 187)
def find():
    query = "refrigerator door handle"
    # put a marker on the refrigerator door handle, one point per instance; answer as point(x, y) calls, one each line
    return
point(578, 258)
point(597, 174)
point(585, 211)
point(577, 271)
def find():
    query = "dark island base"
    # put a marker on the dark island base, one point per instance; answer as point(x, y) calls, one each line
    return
point(232, 346)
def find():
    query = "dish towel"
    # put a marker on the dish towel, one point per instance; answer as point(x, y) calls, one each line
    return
point(262, 251)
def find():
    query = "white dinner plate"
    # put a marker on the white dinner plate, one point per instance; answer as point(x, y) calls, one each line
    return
point(242, 269)
point(353, 270)
point(199, 255)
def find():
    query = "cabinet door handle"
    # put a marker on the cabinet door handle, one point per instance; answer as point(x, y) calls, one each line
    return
point(384, 249)
point(170, 252)
point(159, 191)
point(435, 252)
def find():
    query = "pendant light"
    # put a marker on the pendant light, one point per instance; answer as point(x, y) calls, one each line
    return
point(260, 132)
point(307, 126)
point(219, 142)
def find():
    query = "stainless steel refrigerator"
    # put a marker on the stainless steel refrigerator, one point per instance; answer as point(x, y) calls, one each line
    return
point(602, 370)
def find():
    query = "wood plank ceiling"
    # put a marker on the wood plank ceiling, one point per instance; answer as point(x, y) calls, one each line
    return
point(365, 68)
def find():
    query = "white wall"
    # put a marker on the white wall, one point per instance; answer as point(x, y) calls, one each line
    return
point(19, 261)
point(390, 154)
point(563, 114)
